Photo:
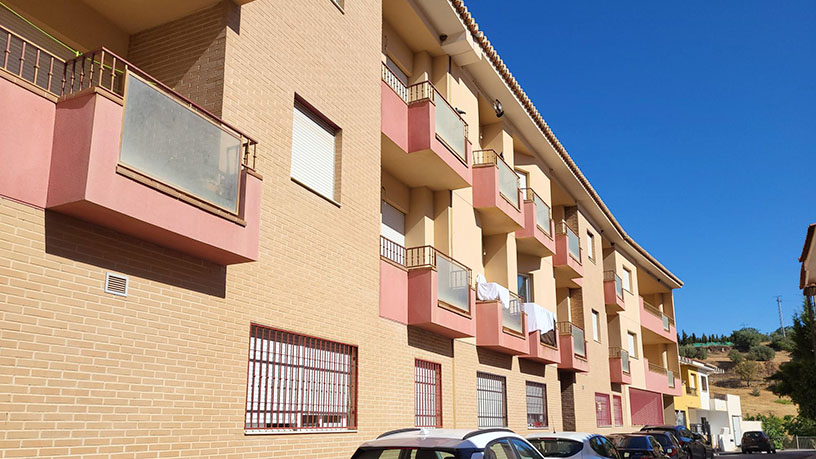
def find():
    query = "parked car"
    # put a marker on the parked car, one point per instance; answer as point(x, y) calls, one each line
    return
point(669, 442)
point(640, 446)
point(757, 441)
point(706, 440)
point(574, 445)
point(695, 447)
point(416, 443)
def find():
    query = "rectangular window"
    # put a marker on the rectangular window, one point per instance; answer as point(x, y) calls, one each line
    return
point(491, 391)
point(632, 345)
point(536, 405)
point(627, 280)
point(525, 290)
point(617, 408)
point(590, 246)
point(596, 326)
point(428, 393)
point(603, 413)
point(704, 383)
point(314, 152)
point(392, 224)
point(300, 383)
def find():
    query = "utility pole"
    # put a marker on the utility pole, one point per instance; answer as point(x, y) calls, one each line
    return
point(781, 322)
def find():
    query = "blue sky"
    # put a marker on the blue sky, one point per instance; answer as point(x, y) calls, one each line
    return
point(695, 121)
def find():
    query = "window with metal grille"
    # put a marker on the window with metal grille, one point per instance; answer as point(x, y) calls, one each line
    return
point(536, 405)
point(617, 408)
point(428, 393)
point(300, 383)
point(603, 414)
point(491, 393)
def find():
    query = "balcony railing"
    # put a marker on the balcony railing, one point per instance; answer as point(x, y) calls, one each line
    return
point(573, 242)
point(543, 214)
point(32, 63)
point(664, 371)
point(451, 129)
point(390, 250)
point(691, 391)
point(453, 278)
point(668, 322)
point(623, 354)
point(612, 275)
point(577, 333)
point(508, 180)
point(511, 316)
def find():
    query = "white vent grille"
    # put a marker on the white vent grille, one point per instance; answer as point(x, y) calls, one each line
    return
point(116, 284)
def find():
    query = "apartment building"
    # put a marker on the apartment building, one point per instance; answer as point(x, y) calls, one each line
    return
point(255, 228)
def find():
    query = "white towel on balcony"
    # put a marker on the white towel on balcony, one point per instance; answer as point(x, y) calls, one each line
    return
point(490, 291)
point(539, 318)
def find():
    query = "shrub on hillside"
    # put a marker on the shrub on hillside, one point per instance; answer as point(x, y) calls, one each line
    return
point(736, 356)
point(761, 353)
point(687, 350)
point(746, 338)
point(781, 343)
point(755, 392)
point(747, 371)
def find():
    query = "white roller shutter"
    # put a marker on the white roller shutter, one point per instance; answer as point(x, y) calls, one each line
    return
point(313, 152)
point(393, 224)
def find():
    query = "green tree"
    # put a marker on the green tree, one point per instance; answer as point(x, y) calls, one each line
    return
point(761, 353)
point(736, 356)
point(684, 339)
point(782, 343)
point(746, 338)
point(797, 378)
point(704, 338)
point(747, 371)
point(693, 338)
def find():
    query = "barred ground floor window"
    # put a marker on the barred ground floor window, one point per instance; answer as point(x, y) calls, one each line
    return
point(428, 393)
point(491, 391)
point(536, 405)
point(299, 383)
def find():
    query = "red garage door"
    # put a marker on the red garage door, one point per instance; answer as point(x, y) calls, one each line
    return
point(647, 407)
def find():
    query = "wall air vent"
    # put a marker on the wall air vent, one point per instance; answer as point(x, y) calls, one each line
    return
point(116, 284)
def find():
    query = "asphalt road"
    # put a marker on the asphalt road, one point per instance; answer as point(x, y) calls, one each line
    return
point(794, 454)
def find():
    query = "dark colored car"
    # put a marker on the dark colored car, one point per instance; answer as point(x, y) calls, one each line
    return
point(706, 440)
point(693, 446)
point(757, 441)
point(639, 447)
point(671, 446)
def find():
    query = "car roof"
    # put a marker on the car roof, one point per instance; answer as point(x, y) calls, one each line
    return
point(438, 438)
point(576, 436)
point(663, 427)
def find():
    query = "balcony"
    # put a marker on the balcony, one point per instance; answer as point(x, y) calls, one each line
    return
point(496, 194)
point(613, 292)
point(536, 237)
point(424, 139)
point(153, 165)
point(654, 320)
point(422, 287)
point(543, 345)
point(573, 348)
point(502, 329)
point(568, 255)
point(662, 380)
point(619, 370)
point(691, 391)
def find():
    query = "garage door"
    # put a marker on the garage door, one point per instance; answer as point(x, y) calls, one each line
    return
point(647, 407)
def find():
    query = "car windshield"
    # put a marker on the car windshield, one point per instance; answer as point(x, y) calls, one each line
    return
point(753, 435)
point(404, 453)
point(635, 443)
point(555, 447)
point(664, 440)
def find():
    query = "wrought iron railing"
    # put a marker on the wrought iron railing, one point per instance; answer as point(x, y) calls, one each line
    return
point(543, 212)
point(508, 180)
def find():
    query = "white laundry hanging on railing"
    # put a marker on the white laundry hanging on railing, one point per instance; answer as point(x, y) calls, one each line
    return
point(490, 291)
point(541, 319)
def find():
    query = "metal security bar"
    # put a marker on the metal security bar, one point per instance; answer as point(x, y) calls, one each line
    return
point(428, 393)
point(390, 250)
point(537, 405)
point(299, 383)
point(30, 62)
point(491, 392)
point(613, 276)
point(543, 211)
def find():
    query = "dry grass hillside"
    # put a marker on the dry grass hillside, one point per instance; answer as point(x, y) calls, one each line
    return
point(729, 382)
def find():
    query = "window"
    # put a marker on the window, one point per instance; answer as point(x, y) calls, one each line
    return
point(401, 76)
point(536, 405)
point(632, 345)
point(617, 408)
point(602, 446)
point(428, 393)
point(692, 380)
point(596, 326)
point(603, 413)
point(556, 447)
point(492, 400)
point(590, 246)
point(704, 383)
point(525, 288)
point(524, 450)
point(392, 225)
point(499, 449)
point(300, 383)
point(314, 152)
point(627, 280)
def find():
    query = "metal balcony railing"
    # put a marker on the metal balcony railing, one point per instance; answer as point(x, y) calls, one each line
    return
point(453, 278)
point(613, 276)
point(451, 129)
point(577, 333)
point(390, 250)
point(668, 322)
point(32, 63)
point(573, 241)
point(691, 391)
point(623, 354)
point(509, 186)
point(543, 212)
point(663, 371)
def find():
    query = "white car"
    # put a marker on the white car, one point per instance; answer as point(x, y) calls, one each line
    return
point(575, 445)
point(418, 443)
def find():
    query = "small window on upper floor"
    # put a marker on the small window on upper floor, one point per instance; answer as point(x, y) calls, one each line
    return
point(596, 326)
point(632, 345)
point(704, 383)
point(314, 153)
point(590, 246)
point(627, 279)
